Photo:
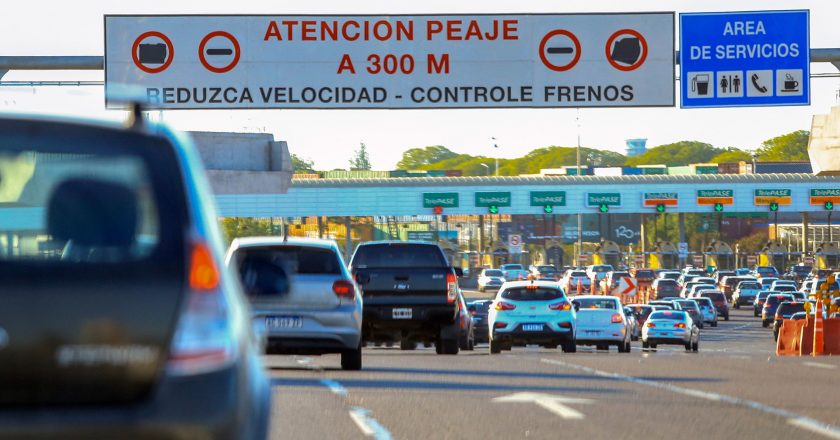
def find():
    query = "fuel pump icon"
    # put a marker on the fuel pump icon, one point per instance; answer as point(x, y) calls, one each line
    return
point(700, 84)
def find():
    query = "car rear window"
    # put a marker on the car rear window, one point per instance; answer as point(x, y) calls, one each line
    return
point(300, 260)
point(89, 196)
point(493, 273)
point(791, 307)
point(749, 285)
point(704, 302)
point(398, 255)
point(776, 299)
point(674, 315)
point(512, 267)
point(765, 270)
point(687, 304)
point(578, 273)
point(601, 269)
point(714, 296)
point(644, 274)
point(595, 303)
point(764, 294)
point(538, 294)
point(479, 307)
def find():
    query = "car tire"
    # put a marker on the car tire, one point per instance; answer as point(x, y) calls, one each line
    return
point(688, 346)
point(645, 345)
point(495, 347)
point(351, 360)
point(776, 335)
point(570, 347)
point(653, 346)
point(736, 305)
point(625, 347)
point(407, 345)
point(726, 317)
point(695, 347)
point(765, 323)
point(701, 326)
point(755, 313)
point(714, 323)
point(448, 346)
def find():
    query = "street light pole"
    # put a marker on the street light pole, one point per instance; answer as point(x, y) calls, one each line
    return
point(486, 169)
point(496, 153)
point(579, 216)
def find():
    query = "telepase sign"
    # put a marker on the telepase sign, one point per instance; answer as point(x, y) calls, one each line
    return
point(393, 61)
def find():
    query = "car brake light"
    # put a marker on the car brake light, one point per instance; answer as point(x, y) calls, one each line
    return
point(504, 306)
point(679, 325)
point(650, 324)
point(560, 306)
point(500, 325)
point(203, 338)
point(565, 325)
point(344, 289)
point(451, 287)
point(531, 287)
point(616, 318)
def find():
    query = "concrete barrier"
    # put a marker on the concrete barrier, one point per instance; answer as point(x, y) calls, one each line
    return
point(789, 335)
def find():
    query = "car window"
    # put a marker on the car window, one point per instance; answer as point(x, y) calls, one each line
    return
point(674, 315)
point(302, 260)
point(398, 256)
point(530, 294)
point(704, 302)
point(601, 269)
point(749, 285)
point(84, 205)
point(480, 307)
point(687, 304)
point(714, 296)
point(578, 273)
point(493, 273)
point(788, 307)
point(595, 303)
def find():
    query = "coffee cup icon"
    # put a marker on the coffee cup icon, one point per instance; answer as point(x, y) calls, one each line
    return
point(700, 84)
point(790, 84)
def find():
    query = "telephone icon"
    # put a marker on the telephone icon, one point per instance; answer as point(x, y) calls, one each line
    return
point(759, 87)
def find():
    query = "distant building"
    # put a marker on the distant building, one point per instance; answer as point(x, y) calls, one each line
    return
point(636, 147)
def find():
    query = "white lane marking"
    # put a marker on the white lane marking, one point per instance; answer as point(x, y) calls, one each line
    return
point(794, 419)
point(819, 365)
point(334, 386)
point(553, 403)
point(368, 425)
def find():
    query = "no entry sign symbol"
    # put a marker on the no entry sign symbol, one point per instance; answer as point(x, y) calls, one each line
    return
point(152, 52)
point(626, 50)
point(560, 50)
point(219, 52)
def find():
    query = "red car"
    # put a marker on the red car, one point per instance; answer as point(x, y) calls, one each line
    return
point(719, 300)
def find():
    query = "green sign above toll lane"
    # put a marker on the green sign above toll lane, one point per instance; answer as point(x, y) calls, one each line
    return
point(715, 193)
point(444, 200)
point(548, 198)
point(487, 199)
point(772, 193)
point(825, 192)
point(594, 200)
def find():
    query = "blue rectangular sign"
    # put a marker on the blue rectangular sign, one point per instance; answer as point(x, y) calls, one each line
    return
point(741, 59)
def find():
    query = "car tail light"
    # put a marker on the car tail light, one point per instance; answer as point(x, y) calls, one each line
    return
point(560, 306)
point(679, 325)
point(203, 338)
point(616, 318)
point(344, 289)
point(565, 325)
point(532, 287)
point(451, 287)
point(650, 324)
point(779, 317)
point(504, 306)
point(500, 325)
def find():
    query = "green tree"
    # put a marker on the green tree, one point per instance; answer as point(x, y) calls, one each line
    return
point(235, 227)
point(416, 158)
point(361, 159)
point(676, 154)
point(787, 147)
point(732, 155)
point(302, 165)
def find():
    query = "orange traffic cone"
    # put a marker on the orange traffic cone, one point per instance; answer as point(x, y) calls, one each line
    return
point(819, 340)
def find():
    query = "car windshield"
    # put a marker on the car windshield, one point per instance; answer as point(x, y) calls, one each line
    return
point(493, 273)
point(532, 294)
point(673, 315)
point(595, 303)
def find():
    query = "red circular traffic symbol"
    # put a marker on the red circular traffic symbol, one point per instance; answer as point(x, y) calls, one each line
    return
point(642, 56)
point(135, 52)
point(203, 58)
point(549, 64)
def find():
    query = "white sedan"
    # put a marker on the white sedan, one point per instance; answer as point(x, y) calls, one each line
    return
point(601, 322)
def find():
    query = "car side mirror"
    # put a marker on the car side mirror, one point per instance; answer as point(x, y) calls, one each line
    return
point(362, 278)
point(458, 272)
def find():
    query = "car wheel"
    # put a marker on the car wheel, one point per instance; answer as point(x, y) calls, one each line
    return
point(701, 325)
point(448, 345)
point(352, 359)
point(405, 344)
point(776, 335)
point(695, 347)
point(688, 346)
point(625, 347)
point(765, 324)
point(736, 305)
point(645, 345)
point(714, 323)
point(570, 347)
point(726, 317)
point(755, 313)
point(653, 346)
point(495, 347)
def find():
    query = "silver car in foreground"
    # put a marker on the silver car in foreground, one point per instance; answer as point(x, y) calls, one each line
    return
point(322, 310)
point(673, 327)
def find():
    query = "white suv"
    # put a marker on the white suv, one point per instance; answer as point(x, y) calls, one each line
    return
point(531, 312)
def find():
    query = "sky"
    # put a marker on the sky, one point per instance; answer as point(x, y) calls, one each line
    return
point(329, 137)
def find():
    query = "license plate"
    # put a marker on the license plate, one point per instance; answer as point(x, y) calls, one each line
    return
point(532, 327)
point(401, 313)
point(593, 332)
point(278, 322)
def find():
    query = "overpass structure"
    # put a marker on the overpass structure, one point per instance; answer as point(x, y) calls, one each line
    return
point(538, 195)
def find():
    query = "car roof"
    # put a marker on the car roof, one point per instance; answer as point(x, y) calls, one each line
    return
point(512, 284)
point(244, 242)
point(595, 297)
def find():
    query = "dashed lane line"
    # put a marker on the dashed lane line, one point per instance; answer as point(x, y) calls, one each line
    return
point(368, 425)
point(793, 419)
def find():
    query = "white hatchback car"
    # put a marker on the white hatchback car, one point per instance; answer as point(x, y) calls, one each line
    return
point(601, 322)
point(531, 312)
point(673, 327)
point(320, 311)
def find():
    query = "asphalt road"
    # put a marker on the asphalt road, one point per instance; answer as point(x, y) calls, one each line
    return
point(735, 387)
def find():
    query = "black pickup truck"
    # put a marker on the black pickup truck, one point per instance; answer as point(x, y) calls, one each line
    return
point(410, 294)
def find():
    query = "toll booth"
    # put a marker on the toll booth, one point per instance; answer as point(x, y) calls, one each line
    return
point(607, 252)
point(554, 254)
point(452, 252)
point(827, 256)
point(774, 254)
point(499, 256)
point(665, 255)
point(719, 255)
